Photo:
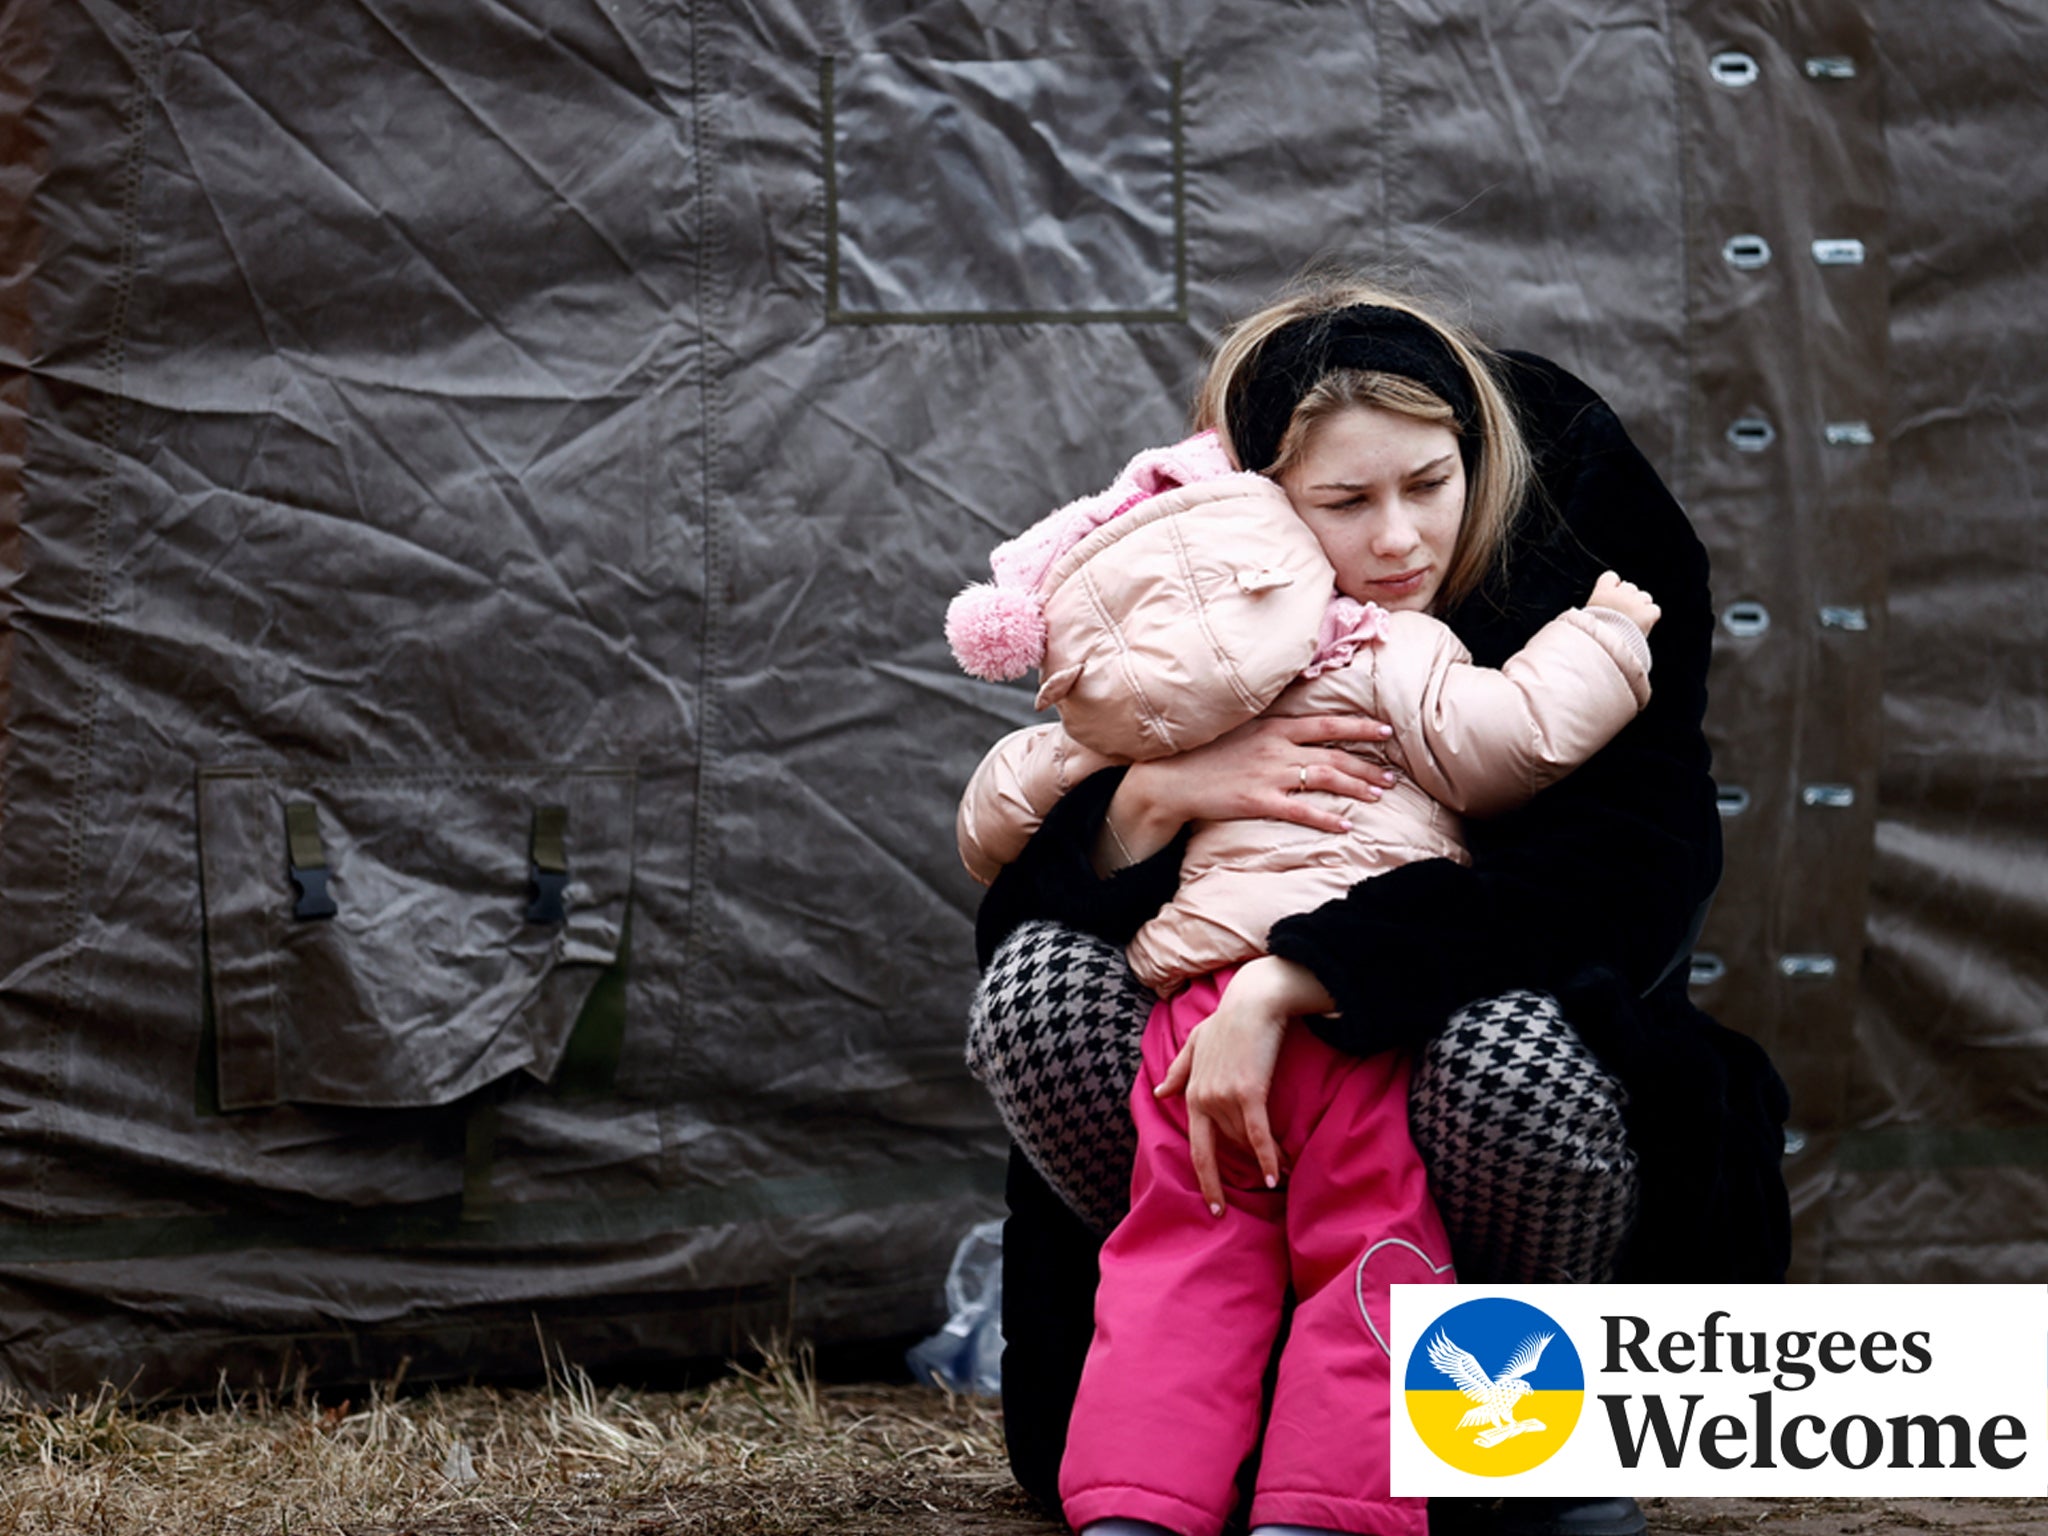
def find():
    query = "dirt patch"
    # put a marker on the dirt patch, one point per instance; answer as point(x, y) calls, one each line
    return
point(1850, 1517)
point(854, 1512)
point(765, 1451)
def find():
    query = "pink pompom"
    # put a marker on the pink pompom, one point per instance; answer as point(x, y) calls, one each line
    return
point(997, 633)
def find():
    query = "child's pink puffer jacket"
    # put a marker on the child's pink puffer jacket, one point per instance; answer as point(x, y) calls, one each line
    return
point(1134, 630)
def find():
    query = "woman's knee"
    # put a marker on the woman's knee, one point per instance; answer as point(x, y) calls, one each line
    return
point(1522, 1132)
point(1510, 1077)
point(1055, 1002)
point(1054, 1033)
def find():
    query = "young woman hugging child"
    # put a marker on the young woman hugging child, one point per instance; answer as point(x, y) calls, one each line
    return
point(1188, 600)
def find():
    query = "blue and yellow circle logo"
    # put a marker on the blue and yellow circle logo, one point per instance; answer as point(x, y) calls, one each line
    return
point(1495, 1387)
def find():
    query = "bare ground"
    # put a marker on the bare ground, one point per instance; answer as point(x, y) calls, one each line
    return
point(1805, 1517)
point(858, 1513)
point(765, 1451)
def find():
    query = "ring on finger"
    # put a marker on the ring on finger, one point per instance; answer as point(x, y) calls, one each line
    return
point(1301, 772)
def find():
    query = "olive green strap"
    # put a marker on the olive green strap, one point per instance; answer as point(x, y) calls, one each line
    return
point(516, 1225)
point(550, 850)
point(302, 826)
point(590, 1061)
point(548, 874)
point(479, 1147)
point(206, 1085)
point(308, 861)
point(1925, 1147)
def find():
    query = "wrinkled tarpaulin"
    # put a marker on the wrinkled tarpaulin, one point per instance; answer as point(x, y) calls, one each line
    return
point(443, 443)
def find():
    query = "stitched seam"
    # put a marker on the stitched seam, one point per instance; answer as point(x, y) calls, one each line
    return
point(710, 252)
point(113, 364)
point(1178, 128)
point(484, 773)
point(828, 88)
point(1681, 124)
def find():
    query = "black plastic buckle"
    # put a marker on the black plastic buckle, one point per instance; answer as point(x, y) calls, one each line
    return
point(544, 897)
point(308, 862)
point(313, 898)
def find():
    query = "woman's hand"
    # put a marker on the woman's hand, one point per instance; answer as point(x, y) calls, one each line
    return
point(1226, 1067)
point(1259, 769)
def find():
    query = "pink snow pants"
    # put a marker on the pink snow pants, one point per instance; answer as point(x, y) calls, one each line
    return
point(1190, 1303)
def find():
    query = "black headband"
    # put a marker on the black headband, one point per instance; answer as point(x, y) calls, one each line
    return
point(1368, 337)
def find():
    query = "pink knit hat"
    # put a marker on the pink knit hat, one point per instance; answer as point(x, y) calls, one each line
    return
point(997, 628)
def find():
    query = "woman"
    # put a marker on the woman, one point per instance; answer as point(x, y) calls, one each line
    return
point(1578, 907)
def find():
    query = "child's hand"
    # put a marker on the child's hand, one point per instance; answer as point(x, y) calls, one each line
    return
point(1626, 599)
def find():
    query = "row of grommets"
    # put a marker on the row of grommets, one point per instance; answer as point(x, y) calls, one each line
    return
point(1738, 71)
point(1747, 621)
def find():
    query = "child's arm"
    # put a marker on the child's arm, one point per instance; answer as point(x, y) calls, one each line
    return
point(1485, 741)
point(1018, 782)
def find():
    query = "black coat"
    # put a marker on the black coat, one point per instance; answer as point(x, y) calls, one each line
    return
point(1591, 892)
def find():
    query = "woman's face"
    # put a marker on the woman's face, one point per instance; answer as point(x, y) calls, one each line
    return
point(1385, 496)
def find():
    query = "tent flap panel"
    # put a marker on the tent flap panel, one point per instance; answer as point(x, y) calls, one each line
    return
point(405, 938)
point(1948, 1079)
point(1045, 187)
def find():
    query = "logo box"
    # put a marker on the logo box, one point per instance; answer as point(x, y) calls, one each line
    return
point(1704, 1391)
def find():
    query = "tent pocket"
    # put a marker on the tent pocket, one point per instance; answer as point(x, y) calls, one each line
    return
point(404, 936)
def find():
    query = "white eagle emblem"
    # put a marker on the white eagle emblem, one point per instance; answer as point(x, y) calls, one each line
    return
point(1495, 1395)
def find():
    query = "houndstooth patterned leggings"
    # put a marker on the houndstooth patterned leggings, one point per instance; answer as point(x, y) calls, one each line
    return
point(1519, 1126)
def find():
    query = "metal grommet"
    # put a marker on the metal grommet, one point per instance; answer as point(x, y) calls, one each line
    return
point(1705, 970)
point(1795, 1142)
point(1752, 434)
point(1853, 619)
point(1818, 967)
point(1832, 67)
point(1838, 253)
point(1848, 434)
point(1733, 68)
point(1746, 252)
point(1833, 797)
point(1731, 800)
point(1745, 620)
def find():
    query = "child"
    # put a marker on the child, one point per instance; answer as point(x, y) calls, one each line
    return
point(1179, 603)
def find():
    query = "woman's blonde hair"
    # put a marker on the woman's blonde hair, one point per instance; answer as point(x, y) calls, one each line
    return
point(1499, 474)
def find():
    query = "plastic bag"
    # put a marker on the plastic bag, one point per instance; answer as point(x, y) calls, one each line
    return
point(967, 1354)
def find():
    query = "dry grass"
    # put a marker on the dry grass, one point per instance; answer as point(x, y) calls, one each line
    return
point(764, 1451)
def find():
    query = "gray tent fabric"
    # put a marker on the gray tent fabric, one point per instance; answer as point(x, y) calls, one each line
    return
point(448, 416)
